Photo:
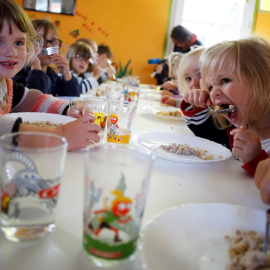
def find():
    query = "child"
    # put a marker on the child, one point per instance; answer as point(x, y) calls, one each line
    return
point(18, 46)
point(188, 75)
point(79, 55)
point(170, 87)
point(42, 77)
point(235, 73)
point(105, 58)
point(262, 180)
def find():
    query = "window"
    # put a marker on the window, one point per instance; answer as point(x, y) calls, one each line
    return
point(213, 20)
point(265, 5)
point(53, 6)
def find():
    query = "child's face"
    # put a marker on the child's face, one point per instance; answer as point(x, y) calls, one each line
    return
point(79, 64)
point(12, 51)
point(227, 90)
point(46, 60)
point(192, 75)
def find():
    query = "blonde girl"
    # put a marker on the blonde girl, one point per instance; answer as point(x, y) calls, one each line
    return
point(18, 44)
point(170, 87)
point(235, 74)
point(188, 76)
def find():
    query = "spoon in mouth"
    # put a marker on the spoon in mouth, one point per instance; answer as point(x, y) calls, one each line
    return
point(231, 108)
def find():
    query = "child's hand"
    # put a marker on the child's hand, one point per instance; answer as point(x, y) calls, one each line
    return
point(168, 100)
point(63, 66)
point(82, 132)
point(110, 71)
point(166, 93)
point(262, 180)
point(35, 64)
point(97, 70)
point(79, 108)
point(198, 97)
point(246, 144)
point(169, 85)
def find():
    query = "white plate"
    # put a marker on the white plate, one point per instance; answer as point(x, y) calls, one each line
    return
point(36, 116)
point(153, 110)
point(150, 96)
point(152, 140)
point(150, 91)
point(191, 237)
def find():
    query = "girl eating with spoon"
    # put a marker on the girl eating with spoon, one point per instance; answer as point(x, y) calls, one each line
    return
point(235, 74)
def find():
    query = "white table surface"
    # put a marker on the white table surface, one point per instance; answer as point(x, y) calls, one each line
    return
point(172, 184)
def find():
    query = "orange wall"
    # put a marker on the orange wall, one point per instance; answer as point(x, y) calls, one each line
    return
point(134, 30)
point(262, 25)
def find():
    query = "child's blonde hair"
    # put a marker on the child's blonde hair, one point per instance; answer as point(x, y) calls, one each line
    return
point(10, 12)
point(80, 48)
point(186, 61)
point(173, 63)
point(249, 58)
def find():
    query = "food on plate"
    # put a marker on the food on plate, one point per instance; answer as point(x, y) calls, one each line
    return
point(184, 149)
point(246, 251)
point(42, 124)
point(175, 113)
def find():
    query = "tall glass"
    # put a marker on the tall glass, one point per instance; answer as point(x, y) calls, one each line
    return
point(99, 108)
point(31, 166)
point(116, 187)
point(120, 118)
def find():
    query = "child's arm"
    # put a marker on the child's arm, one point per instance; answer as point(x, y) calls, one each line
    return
point(166, 93)
point(262, 180)
point(168, 100)
point(169, 85)
point(63, 66)
point(79, 133)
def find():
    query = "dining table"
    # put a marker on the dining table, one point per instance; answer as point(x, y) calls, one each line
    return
point(172, 184)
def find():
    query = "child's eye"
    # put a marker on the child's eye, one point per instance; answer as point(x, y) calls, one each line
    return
point(225, 80)
point(188, 79)
point(19, 43)
point(210, 88)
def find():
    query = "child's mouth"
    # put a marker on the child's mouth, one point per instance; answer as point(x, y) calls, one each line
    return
point(9, 65)
point(232, 111)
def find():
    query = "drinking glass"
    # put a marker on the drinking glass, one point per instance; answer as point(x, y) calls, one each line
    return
point(120, 118)
point(116, 187)
point(99, 108)
point(31, 166)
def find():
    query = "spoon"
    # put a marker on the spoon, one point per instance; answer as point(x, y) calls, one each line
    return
point(266, 238)
point(223, 111)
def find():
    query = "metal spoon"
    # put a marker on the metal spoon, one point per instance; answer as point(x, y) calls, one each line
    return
point(266, 237)
point(224, 110)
